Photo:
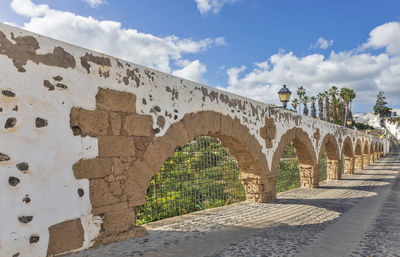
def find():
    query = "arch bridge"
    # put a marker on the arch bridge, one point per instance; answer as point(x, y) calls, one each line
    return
point(85, 132)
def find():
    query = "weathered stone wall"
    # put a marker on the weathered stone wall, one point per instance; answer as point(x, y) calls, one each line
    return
point(83, 133)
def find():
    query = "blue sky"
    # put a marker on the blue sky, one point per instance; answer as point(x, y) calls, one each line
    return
point(249, 47)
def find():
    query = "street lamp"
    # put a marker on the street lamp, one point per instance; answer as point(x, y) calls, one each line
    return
point(284, 95)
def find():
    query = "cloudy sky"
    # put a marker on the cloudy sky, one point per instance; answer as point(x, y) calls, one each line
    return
point(249, 47)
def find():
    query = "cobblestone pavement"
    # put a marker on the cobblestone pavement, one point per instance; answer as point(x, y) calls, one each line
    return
point(356, 216)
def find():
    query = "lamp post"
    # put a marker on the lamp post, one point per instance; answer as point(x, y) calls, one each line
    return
point(284, 95)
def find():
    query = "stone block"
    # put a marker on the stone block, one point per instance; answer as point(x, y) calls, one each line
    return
point(100, 193)
point(333, 170)
point(141, 143)
point(115, 119)
point(118, 221)
point(141, 173)
point(89, 123)
point(154, 157)
point(139, 125)
point(309, 175)
point(358, 162)
point(366, 160)
point(348, 165)
point(230, 127)
point(202, 123)
point(109, 208)
point(133, 232)
point(111, 100)
point(116, 146)
point(134, 192)
point(92, 168)
point(118, 167)
point(65, 236)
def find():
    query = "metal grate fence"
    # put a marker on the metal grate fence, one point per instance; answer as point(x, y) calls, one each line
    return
point(200, 175)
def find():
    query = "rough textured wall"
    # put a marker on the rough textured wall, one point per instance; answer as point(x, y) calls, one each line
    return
point(82, 133)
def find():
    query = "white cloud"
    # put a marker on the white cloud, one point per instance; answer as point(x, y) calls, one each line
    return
point(366, 73)
point(29, 9)
point(214, 6)
point(191, 70)
point(111, 38)
point(385, 36)
point(95, 3)
point(220, 41)
point(322, 43)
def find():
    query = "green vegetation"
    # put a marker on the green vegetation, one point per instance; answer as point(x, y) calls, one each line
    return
point(288, 170)
point(347, 96)
point(380, 106)
point(335, 102)
point(202, 175)
point(361, 126)
point(322, 167)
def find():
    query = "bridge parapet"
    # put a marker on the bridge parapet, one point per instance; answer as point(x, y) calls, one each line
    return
point(85, 132)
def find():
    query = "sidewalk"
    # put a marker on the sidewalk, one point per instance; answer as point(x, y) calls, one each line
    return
point(356, 216)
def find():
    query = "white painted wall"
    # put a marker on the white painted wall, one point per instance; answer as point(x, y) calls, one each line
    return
point(51, 151)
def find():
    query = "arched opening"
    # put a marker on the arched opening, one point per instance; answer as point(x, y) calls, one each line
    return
point(330, 151)
point(358, 156)
point(258, 183)
point(308, 167)
point(376, 153)
point(371, 153)
point(199, 175)
point(348, 156)
point(366, 154)
point(288, 170)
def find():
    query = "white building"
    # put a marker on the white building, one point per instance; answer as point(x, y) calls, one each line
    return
point(368, 118)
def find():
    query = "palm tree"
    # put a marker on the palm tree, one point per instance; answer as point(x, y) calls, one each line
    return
point(333, 92)
point(313, 111)
point(326, 106)
point(347, 96)
point(295, 102)
point(321, 105)
point(301, 92)
point(305, 101)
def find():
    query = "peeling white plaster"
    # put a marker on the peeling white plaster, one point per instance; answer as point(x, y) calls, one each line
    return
point(52, 150)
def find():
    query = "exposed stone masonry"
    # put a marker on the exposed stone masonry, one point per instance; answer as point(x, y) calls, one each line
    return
point(54, 112)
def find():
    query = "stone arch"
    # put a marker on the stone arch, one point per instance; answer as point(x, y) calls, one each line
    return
point(358, 148)
point(372, 152)
point(358, 156)
point(331, 147)
point(376, 150)
point(258, 182)
point(366, 153)
point(366, 147)
point(308, 164)
point(348, 156)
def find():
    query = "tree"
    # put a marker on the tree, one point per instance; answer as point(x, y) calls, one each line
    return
point(313, 111)
point(301, 92)
point(305, 109)
point(326, 106)
point(380, 105)
point(321, 106)
point(333, 92)
point(295, 102)
point(347, 96)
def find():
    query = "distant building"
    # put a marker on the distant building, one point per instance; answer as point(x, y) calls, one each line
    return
point(368, 118)
point(395, 113)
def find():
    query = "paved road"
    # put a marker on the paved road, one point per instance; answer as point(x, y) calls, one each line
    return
point(356, 216)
